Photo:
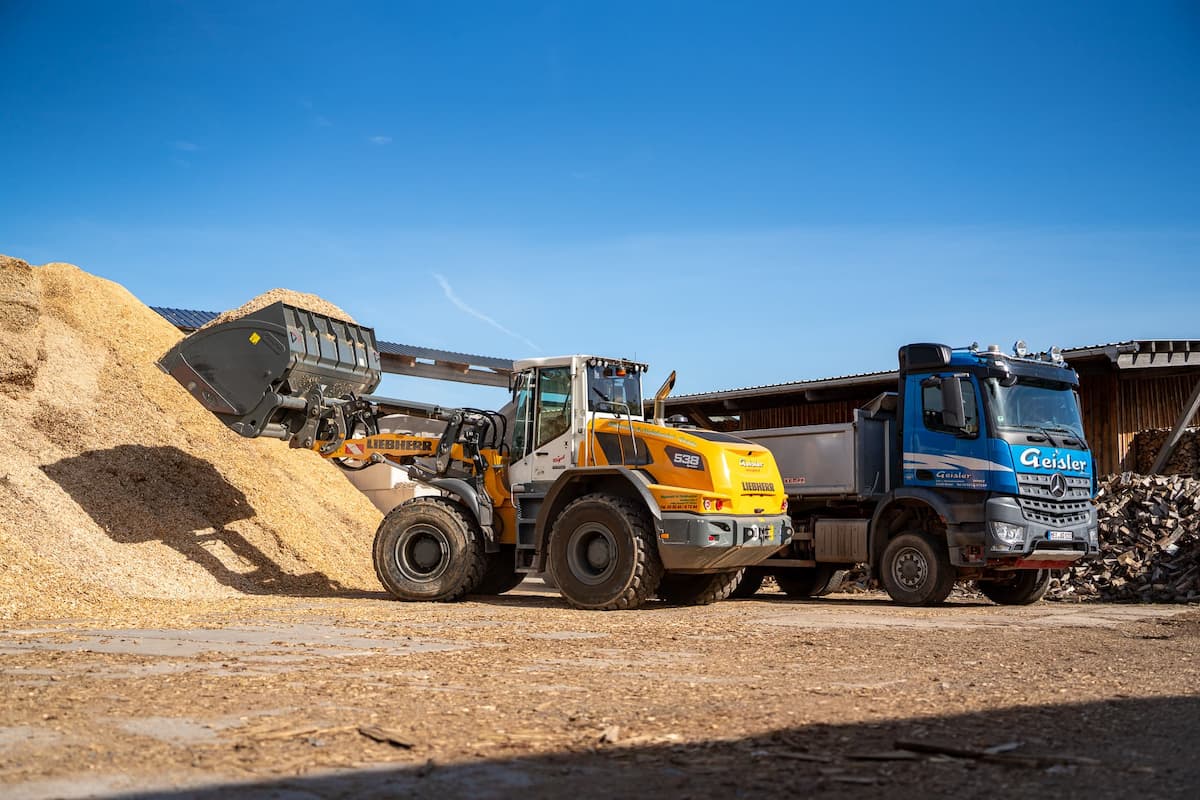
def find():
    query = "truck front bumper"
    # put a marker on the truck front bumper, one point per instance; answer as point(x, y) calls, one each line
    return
point(713, 542)
point(1017, 541)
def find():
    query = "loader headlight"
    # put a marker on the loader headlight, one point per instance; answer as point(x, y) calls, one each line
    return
point(1009, 533)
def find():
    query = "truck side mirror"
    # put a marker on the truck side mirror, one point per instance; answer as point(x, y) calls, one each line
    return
point(954, 413)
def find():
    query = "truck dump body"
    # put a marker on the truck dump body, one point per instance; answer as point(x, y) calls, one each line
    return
point(852, 459)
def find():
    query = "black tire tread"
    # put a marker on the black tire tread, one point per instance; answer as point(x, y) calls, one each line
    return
point(749, 584)
point(697, 590)
point(476, 566)
point(945, 577)
point(648, 568)
point(1025, 588)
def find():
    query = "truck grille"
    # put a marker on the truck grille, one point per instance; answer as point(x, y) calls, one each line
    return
point(1038, 487)
point(1038, 505)
point(1054, 513)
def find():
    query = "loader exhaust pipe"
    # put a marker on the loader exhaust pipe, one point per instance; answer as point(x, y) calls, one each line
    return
point(278, 372)
point(660, 398)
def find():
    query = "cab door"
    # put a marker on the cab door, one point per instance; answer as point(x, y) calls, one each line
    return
point(937, 453)
point(542, 429)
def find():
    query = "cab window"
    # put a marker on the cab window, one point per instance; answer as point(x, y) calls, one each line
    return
point(553, 404)
point(523, 417)
point(933, 402)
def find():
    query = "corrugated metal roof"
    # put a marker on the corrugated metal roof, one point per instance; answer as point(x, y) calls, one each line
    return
point(189, 320)
point(1110, 350)
point(185, 319)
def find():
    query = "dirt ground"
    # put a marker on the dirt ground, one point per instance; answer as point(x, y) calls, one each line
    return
point(521, 696)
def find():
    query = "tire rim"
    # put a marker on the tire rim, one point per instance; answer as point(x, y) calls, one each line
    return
point(422, 553)
point(910, 569)
point(592, 553)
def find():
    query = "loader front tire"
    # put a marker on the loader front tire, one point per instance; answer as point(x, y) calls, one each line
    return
point(501, 574)
point(603, 554)
point(697, 590)
point(430, 549)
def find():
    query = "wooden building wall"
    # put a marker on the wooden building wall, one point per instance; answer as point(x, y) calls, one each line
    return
point(1117, 406)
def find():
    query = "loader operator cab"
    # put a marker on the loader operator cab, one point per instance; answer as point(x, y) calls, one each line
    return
point(554, 396)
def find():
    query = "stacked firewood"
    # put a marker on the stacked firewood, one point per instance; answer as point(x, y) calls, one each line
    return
point(1149, 543)
point(1184, 459)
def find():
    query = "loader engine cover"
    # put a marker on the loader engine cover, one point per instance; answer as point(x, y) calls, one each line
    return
point(262, 373)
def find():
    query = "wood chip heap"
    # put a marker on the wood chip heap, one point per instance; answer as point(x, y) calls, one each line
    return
point(1184, 459)
point(115, 485)
point(1149, 543)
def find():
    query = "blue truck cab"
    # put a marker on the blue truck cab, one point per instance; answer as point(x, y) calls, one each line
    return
point(976, 468)
point(1002, 432)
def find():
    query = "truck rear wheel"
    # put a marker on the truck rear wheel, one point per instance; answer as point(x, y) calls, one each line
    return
point(429, 549)
point(500, 575)
point(801, 582)
point(916, 570)
point(603, 554)
point(697, 590)
point(1020, 588)
point(749, 584)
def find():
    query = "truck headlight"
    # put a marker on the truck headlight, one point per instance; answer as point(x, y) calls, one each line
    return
point(1008, 533)
point(1093, 536)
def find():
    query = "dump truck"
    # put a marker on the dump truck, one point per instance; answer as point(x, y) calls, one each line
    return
point(569, 478)
point(976, 468)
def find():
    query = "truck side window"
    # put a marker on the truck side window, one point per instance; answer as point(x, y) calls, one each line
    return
point(554, 403)
point(932, 405)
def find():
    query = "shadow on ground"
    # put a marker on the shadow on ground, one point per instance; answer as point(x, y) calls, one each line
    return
point(1117, 748)
point(142, 494)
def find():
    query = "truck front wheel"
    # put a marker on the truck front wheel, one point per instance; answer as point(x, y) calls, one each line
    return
point(429, 549)
point(603, 554)
point(1020, 588)
point(916, 570)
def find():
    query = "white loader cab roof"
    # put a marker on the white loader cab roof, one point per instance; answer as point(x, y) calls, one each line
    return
point(575, 360)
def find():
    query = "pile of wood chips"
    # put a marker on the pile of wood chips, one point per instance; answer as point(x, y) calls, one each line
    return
point(1184, 458)
point(1149, 543)
point(116, 486)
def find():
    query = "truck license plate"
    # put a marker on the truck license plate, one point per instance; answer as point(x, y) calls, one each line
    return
point(1059, 536)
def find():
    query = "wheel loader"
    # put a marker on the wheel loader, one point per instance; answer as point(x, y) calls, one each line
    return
point(569, 478)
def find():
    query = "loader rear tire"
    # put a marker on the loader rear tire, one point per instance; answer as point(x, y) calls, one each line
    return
point(749, 584)
point(697, 590)
point(603, 554)
point(916, 570)
point(801, 582)
point(1021, 588)
point(430, 549)
point(500, 575)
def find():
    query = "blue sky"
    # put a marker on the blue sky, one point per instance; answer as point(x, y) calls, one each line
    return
point(748, 193)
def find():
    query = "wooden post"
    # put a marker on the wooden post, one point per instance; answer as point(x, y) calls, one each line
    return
point(1189, 411)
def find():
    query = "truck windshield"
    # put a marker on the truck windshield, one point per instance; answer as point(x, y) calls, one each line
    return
point(1033, 404)
point(614, 390)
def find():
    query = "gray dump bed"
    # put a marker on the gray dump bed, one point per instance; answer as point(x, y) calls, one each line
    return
point(851, 459)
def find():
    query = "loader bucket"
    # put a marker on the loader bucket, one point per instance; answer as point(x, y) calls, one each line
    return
point(265, 373)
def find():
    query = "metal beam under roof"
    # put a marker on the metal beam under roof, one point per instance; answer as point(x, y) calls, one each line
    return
point(394, 358)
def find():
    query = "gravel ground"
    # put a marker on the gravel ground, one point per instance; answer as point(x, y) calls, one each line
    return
point(520, 695)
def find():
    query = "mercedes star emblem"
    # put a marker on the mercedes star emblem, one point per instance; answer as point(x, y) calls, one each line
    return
point(1058, 484)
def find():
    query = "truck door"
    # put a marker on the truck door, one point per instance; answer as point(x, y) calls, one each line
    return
point(542, 432)
point(938, 452)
